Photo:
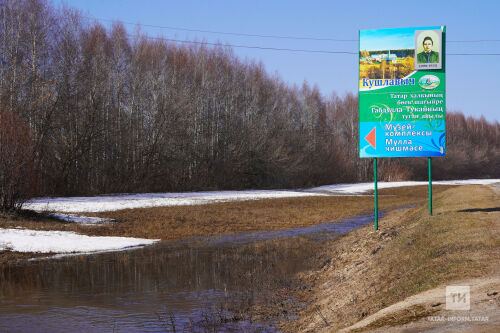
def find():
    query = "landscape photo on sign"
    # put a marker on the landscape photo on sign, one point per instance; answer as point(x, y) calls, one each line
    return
point(402, 106)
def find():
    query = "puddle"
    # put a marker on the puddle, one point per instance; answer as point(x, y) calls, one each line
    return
point(321, 231)
point(148, 290)
point(198, 285)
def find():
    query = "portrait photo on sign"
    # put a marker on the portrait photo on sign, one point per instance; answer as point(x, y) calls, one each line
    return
point(428, 50)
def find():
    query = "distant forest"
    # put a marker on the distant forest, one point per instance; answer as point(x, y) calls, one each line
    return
point(86, 110)
point(402, 53)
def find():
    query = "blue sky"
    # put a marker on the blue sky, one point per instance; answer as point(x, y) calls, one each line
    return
point(471, 80)
point(389, 39)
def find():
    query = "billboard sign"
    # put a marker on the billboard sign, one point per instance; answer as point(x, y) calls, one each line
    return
point(402, 92)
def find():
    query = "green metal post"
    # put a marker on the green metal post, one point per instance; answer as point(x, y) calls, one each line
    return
point(430, 187)
point(376, 194)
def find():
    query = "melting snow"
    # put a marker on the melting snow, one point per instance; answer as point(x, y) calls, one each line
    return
point(147, 200)
point(365, 187)
point(23, 240)
point(64, 241)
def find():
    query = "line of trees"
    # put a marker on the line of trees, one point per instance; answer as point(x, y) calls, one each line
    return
point(111, 112)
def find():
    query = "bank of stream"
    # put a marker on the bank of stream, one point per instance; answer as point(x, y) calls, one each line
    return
point(238, 282)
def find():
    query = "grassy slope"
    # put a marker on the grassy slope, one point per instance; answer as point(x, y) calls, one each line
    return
point(367, 270)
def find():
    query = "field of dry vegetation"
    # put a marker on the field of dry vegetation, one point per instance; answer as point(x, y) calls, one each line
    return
point(366, 271)
point(182, 222)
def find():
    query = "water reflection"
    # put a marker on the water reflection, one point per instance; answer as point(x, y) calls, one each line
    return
point(143, 289)
point(202, 285)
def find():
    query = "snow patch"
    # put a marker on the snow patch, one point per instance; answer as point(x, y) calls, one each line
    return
point(148, 200)
point(24, 240)
point(27, 240)
point(365, 187)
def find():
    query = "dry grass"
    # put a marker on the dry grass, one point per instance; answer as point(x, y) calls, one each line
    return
point(402, 317)
point(8, 258)
point(412, 252)
point(450, 245)
point(181, 222)
point(225, 218)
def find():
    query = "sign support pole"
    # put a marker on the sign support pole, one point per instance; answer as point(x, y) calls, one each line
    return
point(376, 194)
point(430, 186)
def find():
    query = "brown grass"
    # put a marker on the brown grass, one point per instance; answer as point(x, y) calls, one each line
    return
point(450, 245)
point(402, 317)
point(181, 222)
point(7, 257)
point(413, 252)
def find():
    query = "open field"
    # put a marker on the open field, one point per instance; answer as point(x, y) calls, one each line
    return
point(366, 271)
point(181, 222)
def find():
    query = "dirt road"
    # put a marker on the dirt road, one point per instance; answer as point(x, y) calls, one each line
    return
point(483, 316)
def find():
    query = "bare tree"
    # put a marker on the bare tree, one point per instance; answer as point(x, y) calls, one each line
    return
point(111, 112)
point(17, 162)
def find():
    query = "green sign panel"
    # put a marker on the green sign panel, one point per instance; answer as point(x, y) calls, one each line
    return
point(402, 92)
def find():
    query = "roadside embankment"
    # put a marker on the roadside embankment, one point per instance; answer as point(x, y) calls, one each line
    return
point(366, 271)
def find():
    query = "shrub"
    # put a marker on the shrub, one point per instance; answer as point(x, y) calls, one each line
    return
point(17, 162)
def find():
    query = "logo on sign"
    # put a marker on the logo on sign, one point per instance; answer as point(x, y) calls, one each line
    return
point(429, 81)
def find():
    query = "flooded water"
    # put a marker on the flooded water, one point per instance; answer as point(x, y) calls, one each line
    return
point(199, 285)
